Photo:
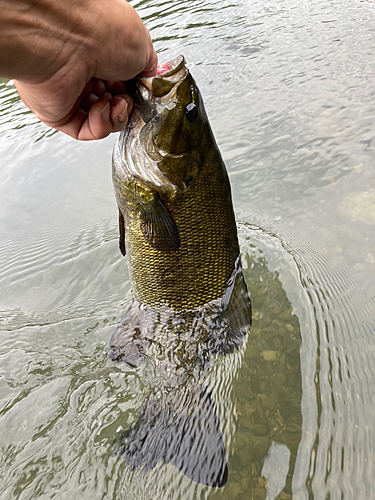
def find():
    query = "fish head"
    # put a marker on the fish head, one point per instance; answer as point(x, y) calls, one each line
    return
point(162, 144)
point(171, 105)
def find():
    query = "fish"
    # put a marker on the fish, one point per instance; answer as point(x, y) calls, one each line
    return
point(190, 301)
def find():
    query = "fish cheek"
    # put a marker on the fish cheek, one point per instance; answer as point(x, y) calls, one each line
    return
point(168, 133)
point(181, 170)
point(174, 133)
point(161, 87)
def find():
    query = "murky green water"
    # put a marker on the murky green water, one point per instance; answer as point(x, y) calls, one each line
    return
point(289, 88)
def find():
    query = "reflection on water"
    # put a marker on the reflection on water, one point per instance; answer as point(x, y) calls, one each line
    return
point(289, 91)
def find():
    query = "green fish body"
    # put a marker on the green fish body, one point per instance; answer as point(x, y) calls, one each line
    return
point(178, 231)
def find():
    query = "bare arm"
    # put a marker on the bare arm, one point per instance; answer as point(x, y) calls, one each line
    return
point(69, 59)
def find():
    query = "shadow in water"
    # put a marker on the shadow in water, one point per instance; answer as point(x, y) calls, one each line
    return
point(205, 409)
point(269, 393)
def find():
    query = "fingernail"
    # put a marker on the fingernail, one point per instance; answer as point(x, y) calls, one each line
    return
point(105, 113)
point(124, 114)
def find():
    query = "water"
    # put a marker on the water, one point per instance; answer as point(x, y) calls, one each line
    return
point(289, 91)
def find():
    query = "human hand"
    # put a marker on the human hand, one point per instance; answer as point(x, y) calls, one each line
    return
point(71, 67)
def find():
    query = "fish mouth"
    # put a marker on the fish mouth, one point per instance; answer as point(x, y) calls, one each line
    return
point(172, 67)
point(150, 96)
point(168, 74)
point(149, 93)
point(159, 90)
point(144, 87)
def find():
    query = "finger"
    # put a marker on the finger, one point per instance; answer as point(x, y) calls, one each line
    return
point(116, 88)
point(121, 108)
point(88, 101)
point(107, 96)
point(94, 86)
point(151, 67)
point(89, 87)
point(97, 92)
point(99, 87)
point(95, 124)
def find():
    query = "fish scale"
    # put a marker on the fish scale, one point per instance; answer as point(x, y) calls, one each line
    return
point(200, 269)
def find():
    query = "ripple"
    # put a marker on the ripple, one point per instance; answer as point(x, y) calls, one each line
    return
point(64, 290)
point(16, 121)
point(289, 91)
point(343, 390)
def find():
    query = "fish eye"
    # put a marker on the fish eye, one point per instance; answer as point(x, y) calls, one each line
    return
point(191, 112)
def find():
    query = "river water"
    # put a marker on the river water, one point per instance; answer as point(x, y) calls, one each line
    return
point(289, 89)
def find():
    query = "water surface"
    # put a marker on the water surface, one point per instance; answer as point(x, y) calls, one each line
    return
point(289, 89)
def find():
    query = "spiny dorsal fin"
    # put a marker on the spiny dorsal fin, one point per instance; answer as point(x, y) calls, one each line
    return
point(158, 226)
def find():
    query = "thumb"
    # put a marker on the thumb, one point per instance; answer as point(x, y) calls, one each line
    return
point(151, 67)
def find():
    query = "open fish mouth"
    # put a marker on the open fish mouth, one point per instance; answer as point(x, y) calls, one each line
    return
point(136, 149)
point(168, 74)
point(171, 67)
point(152, 93)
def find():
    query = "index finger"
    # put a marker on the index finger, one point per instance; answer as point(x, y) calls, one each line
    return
point(102, 118)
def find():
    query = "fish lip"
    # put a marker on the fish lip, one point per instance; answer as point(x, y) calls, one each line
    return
point(146, 104)
point(141, 88)
point(172, 68)
point(145, 101)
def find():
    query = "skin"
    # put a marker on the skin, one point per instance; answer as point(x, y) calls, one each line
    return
point(69, 60)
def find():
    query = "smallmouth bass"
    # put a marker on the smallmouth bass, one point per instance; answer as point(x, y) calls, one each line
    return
point(178, 230)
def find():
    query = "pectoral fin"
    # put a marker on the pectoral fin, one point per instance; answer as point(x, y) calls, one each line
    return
point(158, 226)
point(121, 225)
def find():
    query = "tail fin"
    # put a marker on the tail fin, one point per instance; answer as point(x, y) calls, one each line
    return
point(180, 428)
